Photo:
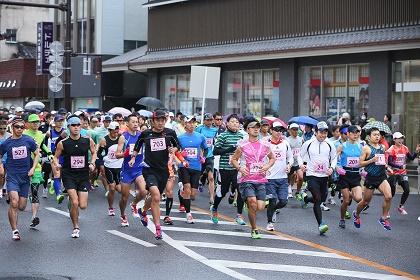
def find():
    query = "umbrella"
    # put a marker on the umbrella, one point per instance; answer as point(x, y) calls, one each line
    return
point(304, 120)
point(150, 102)
point(145, 113)
point(274, 119)
point(34, 105)
point(120, 110)
point(380, 125)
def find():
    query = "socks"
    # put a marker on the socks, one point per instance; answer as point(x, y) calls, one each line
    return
point(57, 186)
point(169, 202)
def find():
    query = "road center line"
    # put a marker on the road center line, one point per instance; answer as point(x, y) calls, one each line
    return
point(52, 209)
point(260, 249)
point(131, 238)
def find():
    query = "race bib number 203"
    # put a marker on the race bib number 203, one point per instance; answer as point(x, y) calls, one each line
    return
point(157, 144)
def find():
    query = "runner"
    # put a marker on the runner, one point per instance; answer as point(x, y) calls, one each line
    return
point(277, 185)
point(75, 169)
point(225, 147)
point(130, 173)
point(321, 159)
point(193, 145)
point(264, 130)
point(19, 168)
point(295, 175)
point(209, 132)
point(373, 159)
point(349, 171)
point(398, 155)
point(253, 173)
point(158, 143)
point(112, 165)
point(3, 136)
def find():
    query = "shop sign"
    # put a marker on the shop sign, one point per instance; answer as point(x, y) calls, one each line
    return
point(44, 40)
point(7, 84)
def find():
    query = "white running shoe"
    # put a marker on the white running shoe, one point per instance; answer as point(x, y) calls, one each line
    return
point(290, 193)
point(190, 219)
point(44, 192)
point(218, 190)
point(181, 186)
point(324, 208)
point(270, 227)
point(16, 235)
point(111, 212)
point(75, 233)
point(124, 221)
point(331, 201)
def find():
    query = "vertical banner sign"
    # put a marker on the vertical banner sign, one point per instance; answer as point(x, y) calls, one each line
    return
point(44, 40)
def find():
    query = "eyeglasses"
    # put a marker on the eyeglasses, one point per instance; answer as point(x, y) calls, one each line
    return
point(277, 129)
point(217, 119)
point(119, 120)
point(75, 125)
point(3, 128)
point(19, 126)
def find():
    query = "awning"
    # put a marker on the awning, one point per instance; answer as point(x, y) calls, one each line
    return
point(398, 38)
point(120, 63)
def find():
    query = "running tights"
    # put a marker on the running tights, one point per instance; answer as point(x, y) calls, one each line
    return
point(273, 206)
point(319, 194)
point(229, 179)
point(34, 193)
point(393, 180)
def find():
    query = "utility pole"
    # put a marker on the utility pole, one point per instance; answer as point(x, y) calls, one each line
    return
point(64, 7)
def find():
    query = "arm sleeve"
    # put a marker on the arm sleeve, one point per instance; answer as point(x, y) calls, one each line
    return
point(99, 153)
point(139, 143)
point(174, 140)
point(411, 157)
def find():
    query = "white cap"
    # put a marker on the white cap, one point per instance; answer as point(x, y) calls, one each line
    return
point(53, 112)
point(322, 126)
point(171, 114)
point(19, 109)
point(346, 116)
point(293, 125)
point(190, 118)
point(277, 124)
point(78, 113)
point(98, 113)
point(114, 125)
point(397, 135)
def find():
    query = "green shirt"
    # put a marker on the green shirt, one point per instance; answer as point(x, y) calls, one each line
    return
point(225, 140)
point(38, 137)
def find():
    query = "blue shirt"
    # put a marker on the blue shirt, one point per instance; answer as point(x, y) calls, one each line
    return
point(350, 155)
point(210, 134)
point(192, 144)
point(19, 153)
point(130, 141)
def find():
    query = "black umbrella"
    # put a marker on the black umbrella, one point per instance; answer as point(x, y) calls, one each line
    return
point(150, 102)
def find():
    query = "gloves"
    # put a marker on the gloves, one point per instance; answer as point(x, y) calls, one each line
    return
point(202, 159)
point(186, 164)
point(340, 171)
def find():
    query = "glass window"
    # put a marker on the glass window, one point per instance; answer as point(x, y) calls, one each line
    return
point(11, 36)
point(175, 91)
point(334, 91)
point(233, 93)
point(168, 87)
point(252, 86)
point(271, 102)
point(310, 91)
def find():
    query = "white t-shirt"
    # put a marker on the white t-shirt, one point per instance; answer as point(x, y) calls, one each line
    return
point(283, 154)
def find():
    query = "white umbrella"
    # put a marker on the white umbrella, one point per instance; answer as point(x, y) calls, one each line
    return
point(120, 110)
point(34, 105)
point(145, 113)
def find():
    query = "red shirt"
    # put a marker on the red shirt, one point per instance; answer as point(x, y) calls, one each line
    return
point(397, 158)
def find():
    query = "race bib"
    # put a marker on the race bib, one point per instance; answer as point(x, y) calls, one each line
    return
point(191, 152)
point(381, 159)
point(19, 152)
point(279, 155)
point(157, 144)
point(400, 159)
point(296, 152)
point(111, 155)
point(209, 142)
point(352, 162)
point(255, 168)
point(77, 161)
point(320, 167)
point(131, 147)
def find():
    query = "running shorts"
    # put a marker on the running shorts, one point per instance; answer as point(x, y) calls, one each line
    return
point(19, 183)
point(128, 176)
point(373, 182)
point(251, 189)
point(155, 178)
point(76, 181)
point(189, 176)
point(112, 175)
point(349, 180)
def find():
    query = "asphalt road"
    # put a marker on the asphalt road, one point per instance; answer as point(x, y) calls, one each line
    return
point(206, 251)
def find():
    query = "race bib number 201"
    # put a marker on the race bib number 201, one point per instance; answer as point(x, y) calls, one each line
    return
point(157, 144)
point(19, 152)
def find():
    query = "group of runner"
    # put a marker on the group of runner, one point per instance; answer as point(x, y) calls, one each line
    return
point(255, 162)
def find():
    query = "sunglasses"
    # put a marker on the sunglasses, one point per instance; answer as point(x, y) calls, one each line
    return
point(119, 120)
point(216, 119)
point(75, 125)
point(277, 129)
point(3, 128)
point(19, 126)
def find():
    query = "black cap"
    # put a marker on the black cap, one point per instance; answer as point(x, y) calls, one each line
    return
point(159, 114)
point(353, 129)
point(62, 111)
point(264, 122)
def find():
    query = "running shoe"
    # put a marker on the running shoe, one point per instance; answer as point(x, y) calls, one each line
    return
point(158, 234)
point(290, 195)
point(274, 218)
point(366, 208)
point(134, 210)
point(190, 219)
point(143, 218)
point(106, 193)
point(167, 221)
point(133, 193)
point(302, 202)
point(214, 215)
point(356, 220)
point(266, 203)
point(255, 234)
point(16, 235)
point(331, 201)
point(385, 223)
point(245, 208)
point(60, 198)
point(124, 221)
point(163, 197)
point(235, 203)
point(231, 198)
point(200, 188)
point(239, 220)
point(51, 190)
point(34, 223)
point(298, 196)
point(270, 227)
point(181, 208)
point(44, 192)
point(75, 233)
point(402, 210)
point(324, 208)
point(323, 228)
point(111, 212)
point(347, 215)
point(342, 224)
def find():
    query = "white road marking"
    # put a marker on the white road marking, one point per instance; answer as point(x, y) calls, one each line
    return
point(221, 232)
point(260, 249)
point(199, 221)
point(306, 269)
point(177, 211)
point(174, 203)
point(188, 252)
point(52, 209)
point(131, 238)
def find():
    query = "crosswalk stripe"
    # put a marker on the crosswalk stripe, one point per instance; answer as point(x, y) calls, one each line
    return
point(177, 211)
point(260, 249)
point(131, 238)
point(52, 209)
point(220, 232)
point(174, 203)
point(306, 269)
point(199, 220)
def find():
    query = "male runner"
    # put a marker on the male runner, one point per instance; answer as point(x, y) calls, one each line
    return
point(19, 168)
point(295, 175)
point(253, 173)
point(373, 159)
point(3, 136)
point(321, 159)
point(75, 169)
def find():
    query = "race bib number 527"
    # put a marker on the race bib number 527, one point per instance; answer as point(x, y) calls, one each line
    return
point(19, 152)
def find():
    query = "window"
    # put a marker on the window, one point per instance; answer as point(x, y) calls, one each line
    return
point(233, 93)
point(11, 36)
point(175, 91)
point(132, 45)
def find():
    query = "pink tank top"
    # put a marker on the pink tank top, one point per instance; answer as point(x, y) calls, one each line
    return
point(254, 154)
